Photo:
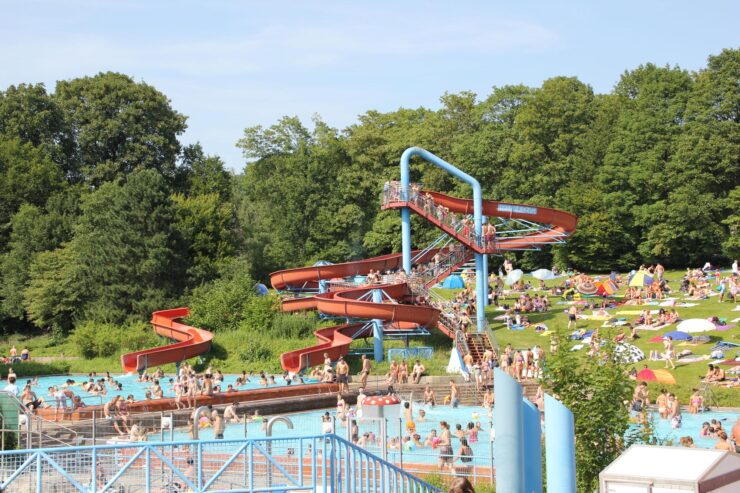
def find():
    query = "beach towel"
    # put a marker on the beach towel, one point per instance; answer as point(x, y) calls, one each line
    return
point(736, 309)
point(694, 359)
point(635, 312)
point(577, 347)
point(517, 327)
point(596, 317)
point(735, 320)
point(547, 332)
point(649, 327)
point(726, 327)
point(686, 305)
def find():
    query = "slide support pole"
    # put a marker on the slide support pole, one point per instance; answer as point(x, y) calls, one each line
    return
point(378, 329)
point(481, 279)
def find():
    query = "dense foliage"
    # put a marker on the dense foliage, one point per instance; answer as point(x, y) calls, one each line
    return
point(105, 216)
point(595, 391)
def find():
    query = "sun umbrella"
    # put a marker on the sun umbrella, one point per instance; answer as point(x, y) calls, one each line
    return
point(513, 276)
point(660, 376)
point(641, 279)
point(677, 335)
point(587, 287)
point(543, 274)
point(628, 353)
point(261, 289)
point(695, 325)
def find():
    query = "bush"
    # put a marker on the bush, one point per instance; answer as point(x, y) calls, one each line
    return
point(259, 313)
point(103, 340)
point(33, 368)
point(220, 305)
point(293, 325)
point(255, 351)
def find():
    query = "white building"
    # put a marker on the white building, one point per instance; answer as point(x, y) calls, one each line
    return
point(653, 469)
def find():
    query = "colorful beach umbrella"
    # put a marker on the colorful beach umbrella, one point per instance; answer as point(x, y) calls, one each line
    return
point(513, 277)
point(641, 279)
point(587, 287)
point(628, 353)
point(659, 375)
point(696, 325)
point(543, 274)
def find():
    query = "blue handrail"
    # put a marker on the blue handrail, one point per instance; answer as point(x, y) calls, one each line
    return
point(324, 462)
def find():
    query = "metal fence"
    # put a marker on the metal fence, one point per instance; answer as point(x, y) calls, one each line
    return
point(315, 463)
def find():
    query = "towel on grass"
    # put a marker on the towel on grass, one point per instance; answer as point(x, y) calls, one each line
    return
point(577, 347)
point(694, 359)
point(726, 327)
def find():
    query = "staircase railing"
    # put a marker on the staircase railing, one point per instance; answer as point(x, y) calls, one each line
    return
point(37, 428)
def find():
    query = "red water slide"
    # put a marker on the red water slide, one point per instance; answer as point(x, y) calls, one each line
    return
point(191, 342)
point(335, 341)
point(308, 277)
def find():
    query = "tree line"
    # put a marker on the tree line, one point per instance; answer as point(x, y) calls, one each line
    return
point(106, 216)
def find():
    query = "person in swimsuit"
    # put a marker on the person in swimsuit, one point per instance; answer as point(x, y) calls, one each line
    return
point(408, 416)
point(696, 402)
point(662, 403)
point(572, 312)
point(445, 447)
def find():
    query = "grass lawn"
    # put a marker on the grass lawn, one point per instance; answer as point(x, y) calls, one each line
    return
point(687, 374)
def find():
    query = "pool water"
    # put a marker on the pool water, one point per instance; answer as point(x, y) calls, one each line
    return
point(131, 386)
point(309, 423)
point(691, 426)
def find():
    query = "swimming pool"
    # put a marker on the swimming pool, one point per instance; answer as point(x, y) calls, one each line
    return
point(309, 423)
point(131, 386)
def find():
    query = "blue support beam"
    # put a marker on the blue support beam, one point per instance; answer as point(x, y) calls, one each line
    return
point(509, 444)
point(378, 328)
point(560, 449)
point(481, 279)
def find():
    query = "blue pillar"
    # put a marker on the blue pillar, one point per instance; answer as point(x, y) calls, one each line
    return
point(481, 283)
point(378, 329)
point(481, 292)
point(509, 444)
point(406, 238)
point(322, 286)
point(532, 448)
point(485, 272)
point(559, 447)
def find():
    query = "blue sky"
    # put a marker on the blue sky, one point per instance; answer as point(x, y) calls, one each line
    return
point(233, 64)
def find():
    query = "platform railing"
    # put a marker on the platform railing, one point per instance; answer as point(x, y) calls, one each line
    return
point(460, 225)
point(315, 463)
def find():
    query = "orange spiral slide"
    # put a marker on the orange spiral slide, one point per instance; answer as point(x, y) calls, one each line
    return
point(191, 342)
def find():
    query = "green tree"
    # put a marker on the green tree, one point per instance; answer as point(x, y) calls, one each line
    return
point(33, 230)
point(207, 227)
point(595, 391)
point(28, 177)
point(120, 126)
point(127, 250)
point(200, 174)
point(28, 113)
point(53, 295)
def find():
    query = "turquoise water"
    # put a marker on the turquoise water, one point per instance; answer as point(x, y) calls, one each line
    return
point(130, 386)
point(309, 423)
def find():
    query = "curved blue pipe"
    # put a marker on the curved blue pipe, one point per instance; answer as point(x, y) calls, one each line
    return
point(480, 274)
